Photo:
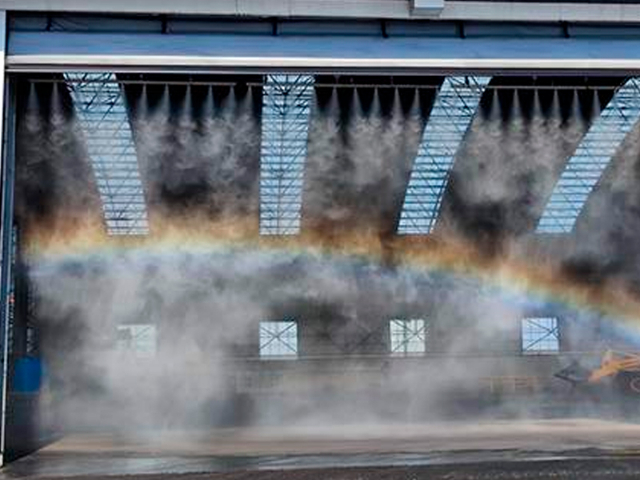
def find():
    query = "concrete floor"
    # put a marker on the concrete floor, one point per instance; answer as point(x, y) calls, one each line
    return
point(411, 451)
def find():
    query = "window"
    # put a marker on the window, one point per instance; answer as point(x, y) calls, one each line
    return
point(454, 109)
point(278, 339)
point(540, 335)
point(285, 123)
point(104, 120)
point(408, 336)
point(585, 168)
point(139, 339)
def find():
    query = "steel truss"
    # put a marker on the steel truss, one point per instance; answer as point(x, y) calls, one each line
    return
point(451, 115)
point(103, 116)
point(585, 168)
point(285, 126)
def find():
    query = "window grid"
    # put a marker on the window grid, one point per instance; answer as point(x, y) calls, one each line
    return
point(408, 336)
point(102, 115)
point(285, 126)
point(139, 339)
point(278, 339)
point(540, 335)
point(584, 169)
point(451, 114)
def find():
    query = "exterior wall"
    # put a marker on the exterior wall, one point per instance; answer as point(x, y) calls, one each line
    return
point(498, 367)
point(186, 44)
point(398, 388)
point(623, 11)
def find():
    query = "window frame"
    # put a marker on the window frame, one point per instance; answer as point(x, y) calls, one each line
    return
point(286, 350)
point(547, 341)
point(138, 349)
point(410, 336)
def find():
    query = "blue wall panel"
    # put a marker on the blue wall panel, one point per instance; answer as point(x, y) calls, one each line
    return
point(320, 46)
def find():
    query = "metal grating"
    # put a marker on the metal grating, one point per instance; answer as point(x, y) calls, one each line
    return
point(102, 115)
point(540, 335)
point(285, 126)
point(408, 336)
point(452, 112)
point(585, 168)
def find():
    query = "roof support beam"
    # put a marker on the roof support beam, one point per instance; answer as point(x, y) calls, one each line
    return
point(103, 116)
point(285, 126)
point(585, 168)
point(450, 117)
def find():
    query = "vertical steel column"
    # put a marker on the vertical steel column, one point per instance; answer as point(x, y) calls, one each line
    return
point(7, 107)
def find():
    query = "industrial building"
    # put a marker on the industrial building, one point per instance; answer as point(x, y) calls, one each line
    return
point(279, 212)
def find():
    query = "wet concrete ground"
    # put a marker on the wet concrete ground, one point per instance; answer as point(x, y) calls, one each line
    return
point(456, 450)
point(583, 469)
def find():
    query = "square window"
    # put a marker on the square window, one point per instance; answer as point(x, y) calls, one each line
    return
point(540, 335)
point(408, 336)
point(139, 339)
point(278, 339)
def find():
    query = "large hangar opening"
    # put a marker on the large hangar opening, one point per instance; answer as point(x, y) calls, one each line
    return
point(211, 252)
point(270, 263)
point(280, 239)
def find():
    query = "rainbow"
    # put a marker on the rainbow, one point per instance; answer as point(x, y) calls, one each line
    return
point(535, 282)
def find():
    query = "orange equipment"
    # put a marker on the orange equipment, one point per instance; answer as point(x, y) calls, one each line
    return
point(622, 367)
